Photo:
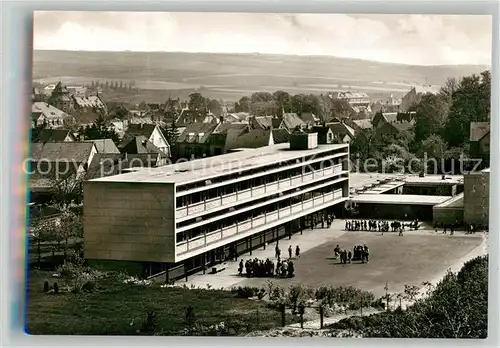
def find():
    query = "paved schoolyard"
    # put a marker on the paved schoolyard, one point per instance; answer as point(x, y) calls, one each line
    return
point(411, 259)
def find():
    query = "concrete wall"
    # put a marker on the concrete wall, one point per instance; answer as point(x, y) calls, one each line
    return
point(303, 141)
point(447, 216)
point(394, 211)
point(129, 221)
point(476, 198)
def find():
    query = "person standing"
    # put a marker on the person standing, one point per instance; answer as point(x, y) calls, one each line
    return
point(278, 251)
point(240, 268)
point(290, 252)
point(297, 251)
point(349, 256)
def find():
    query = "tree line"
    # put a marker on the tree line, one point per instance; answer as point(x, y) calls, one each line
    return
point(279, 102)
point(441, 127)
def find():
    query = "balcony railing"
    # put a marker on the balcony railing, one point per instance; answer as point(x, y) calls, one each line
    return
point(230, 199)
point(257, 221)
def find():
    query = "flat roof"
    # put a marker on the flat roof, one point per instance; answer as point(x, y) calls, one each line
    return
point(454, 202)
point(434, 179)
point(359, 180)
point(399, 199)
point(205, 168)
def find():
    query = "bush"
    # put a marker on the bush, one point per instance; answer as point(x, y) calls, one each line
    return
point(456, 308)
point(150, 324)
point(247, 291)
point(89, 286)
point(190, 316)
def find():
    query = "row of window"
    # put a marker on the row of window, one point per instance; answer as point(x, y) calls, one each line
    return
point(246, 216)
point(262, 169)
point(240, 206)
point(217, 192)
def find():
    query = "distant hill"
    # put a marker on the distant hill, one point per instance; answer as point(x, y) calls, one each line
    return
point(233, 75)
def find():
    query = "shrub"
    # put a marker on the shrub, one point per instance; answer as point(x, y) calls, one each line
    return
point(89, 286)
point(150, 324)
point(247, 291)
point(190, 316)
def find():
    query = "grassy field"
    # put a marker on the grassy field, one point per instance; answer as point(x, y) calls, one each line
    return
point(231, 76)
point(120, 309)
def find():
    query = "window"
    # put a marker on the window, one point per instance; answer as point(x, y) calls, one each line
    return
point(330, 137)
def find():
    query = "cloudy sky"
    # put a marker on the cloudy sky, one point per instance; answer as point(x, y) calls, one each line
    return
point(407, 39)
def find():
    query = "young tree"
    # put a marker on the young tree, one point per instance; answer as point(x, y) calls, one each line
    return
point(100, 129)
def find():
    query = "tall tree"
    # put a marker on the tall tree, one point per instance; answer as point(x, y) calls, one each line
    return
point(197, 102)
point(215, 107)
point(431, 115)
point(243, 105)
point(470, 103)
point(282, 100)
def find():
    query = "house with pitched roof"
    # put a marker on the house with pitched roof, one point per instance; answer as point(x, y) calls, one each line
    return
point(58, 165)
point(105, 145)
point(141, 152)
point(61, 98)
point(37, 95)
point(151, 132)
point(266, 122)
point(52, 135)
point(480, 140)
point(341, 131)
point(48, 115)
point(413, 97)
point(280, 136)
point(252, 139)
point(292, 121)
point(88, 103)
point(391, 123)
point(194, 140)
point(309, 118)
point(359, 125)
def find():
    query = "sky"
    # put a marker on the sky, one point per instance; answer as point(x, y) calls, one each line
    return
point(405, 39)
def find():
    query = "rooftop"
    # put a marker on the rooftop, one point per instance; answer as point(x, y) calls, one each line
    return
point(186, 172)
point(434, 179)
point(399, 199)
point(454, 202)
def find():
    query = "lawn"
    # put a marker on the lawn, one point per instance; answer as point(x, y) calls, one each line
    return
point(120, 309)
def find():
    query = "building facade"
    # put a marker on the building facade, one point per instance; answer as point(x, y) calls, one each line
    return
point(183, 217)
point(477, 198)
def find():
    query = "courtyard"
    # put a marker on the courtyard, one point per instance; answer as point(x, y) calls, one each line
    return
point(398, 260)
point(413, 258)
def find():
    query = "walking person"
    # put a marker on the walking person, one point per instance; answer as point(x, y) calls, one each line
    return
point(297, 251)
point(278, 251)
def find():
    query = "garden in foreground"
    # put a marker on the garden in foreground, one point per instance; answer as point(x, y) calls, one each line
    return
point(76, 300)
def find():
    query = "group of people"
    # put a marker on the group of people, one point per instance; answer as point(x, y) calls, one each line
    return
point(469, 228)
point(290, 252)
point(259, 268)
point(358, 253)
point(381, 226)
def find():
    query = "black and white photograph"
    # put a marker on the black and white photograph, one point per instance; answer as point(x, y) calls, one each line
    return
point(259, 175)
